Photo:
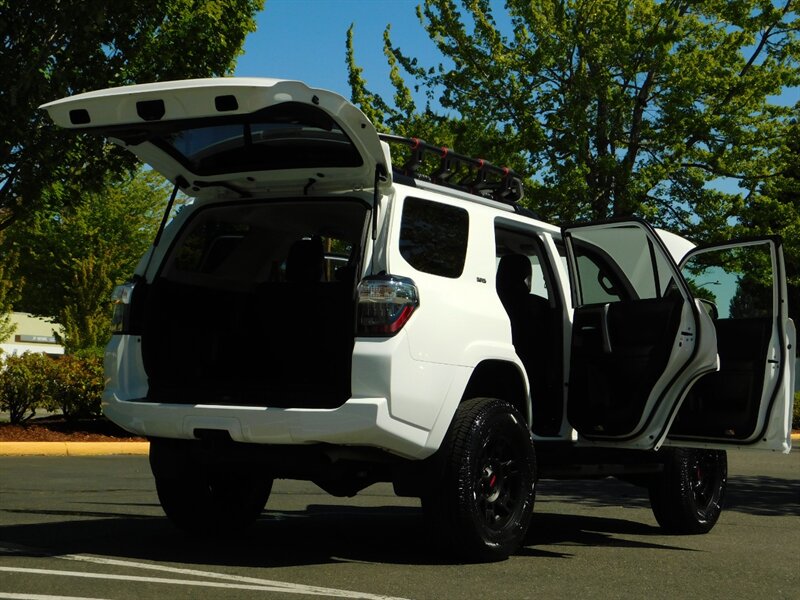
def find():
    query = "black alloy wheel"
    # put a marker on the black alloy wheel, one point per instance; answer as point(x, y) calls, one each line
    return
point(687, 497)
point(481, 493)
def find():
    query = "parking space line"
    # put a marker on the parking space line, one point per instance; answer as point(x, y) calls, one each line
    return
point(289, 587)
point(138, 578)
point(8, 596)
point(232, 581)
point(243, 582)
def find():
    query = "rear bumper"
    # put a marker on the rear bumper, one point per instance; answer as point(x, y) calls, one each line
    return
point(359, 422)
point(393, 405)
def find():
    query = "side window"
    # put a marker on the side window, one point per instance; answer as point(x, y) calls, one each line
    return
point(509, 241)
point(338, 259)
point(616, 264)
point(539, 285)
point(737, 280)
point(599, 285)
point(208, 245)
point(433, 237)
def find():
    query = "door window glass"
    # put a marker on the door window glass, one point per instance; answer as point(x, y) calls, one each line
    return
point(620, 263)
point(737, 280)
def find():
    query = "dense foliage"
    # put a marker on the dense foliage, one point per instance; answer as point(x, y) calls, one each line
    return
point(25, 385)
point(666, 110)
point(31, 381)
point(9, 290)
point(619, 107)
point(796, 411)
point(55, 48)
point(78, 383)
point(71, 259)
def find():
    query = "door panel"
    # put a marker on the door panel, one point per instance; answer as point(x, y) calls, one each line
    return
point(725, 404)
point(638, 339)
point(619, 352)
point(748, 401)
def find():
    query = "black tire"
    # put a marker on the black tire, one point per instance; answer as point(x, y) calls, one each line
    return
point(687, 497)
point(210, 500)
point(481, 491)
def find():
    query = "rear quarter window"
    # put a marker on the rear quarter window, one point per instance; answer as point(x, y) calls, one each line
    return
point(433, 237)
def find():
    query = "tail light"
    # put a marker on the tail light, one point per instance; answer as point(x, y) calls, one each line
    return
point(121, 299)
point(385, 303)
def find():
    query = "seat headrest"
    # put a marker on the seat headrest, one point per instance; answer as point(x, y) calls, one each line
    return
point(513, 274)
point(305, 260)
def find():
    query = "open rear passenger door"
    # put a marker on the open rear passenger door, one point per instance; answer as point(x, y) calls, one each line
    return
point(639, 338)
point(748, 402)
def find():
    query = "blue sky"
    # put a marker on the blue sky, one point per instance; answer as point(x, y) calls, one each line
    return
point(305, 40)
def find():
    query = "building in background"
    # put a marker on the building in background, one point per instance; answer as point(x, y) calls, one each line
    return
point(32, 334)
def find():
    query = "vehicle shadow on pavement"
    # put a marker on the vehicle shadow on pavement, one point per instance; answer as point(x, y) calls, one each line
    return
point(329, 533)
point(758, 495)
point(553, 530)
point(321, 534)
point(597, 493)
point(764, 496)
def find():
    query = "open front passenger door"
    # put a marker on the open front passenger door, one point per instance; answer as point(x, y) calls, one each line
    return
point(748, 402)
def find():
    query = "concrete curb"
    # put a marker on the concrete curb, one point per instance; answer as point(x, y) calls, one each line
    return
point(72, 448)
point(97, 448)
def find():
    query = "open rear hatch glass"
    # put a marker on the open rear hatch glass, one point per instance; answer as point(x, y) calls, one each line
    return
point(248, 135)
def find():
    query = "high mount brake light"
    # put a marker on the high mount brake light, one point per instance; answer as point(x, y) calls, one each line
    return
point(385, 303)
point(121, 299)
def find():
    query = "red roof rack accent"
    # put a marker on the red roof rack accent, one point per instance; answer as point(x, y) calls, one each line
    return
point(472, 175)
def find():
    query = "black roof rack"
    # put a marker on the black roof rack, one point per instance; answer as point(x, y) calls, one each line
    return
point(460, 172)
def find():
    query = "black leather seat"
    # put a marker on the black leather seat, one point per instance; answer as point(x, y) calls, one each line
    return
point(305, 261)
point(532, 336)
point(513, 288)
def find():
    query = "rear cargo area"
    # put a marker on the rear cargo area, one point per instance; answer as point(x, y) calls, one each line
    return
point(255, 305)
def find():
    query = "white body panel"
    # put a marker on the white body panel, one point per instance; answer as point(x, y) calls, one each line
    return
point(405, 389)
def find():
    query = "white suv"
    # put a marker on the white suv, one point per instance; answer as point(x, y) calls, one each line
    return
point(321, 313)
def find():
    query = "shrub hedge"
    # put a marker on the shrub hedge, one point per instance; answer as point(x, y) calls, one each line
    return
point(31, 381)
point(74, 385)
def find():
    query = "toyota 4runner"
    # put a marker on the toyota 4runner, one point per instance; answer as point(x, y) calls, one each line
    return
point(319, 312)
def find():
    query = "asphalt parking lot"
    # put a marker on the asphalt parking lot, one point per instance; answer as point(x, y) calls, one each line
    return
point(91, 527)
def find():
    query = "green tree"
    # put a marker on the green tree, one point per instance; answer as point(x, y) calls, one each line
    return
point(71, 260)
point(619, 107)
point(402, 116)
point(773, 207)
point(9, 291)
point(55, 48)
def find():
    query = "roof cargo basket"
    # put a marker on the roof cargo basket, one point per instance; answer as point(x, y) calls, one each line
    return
point(457, 171)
